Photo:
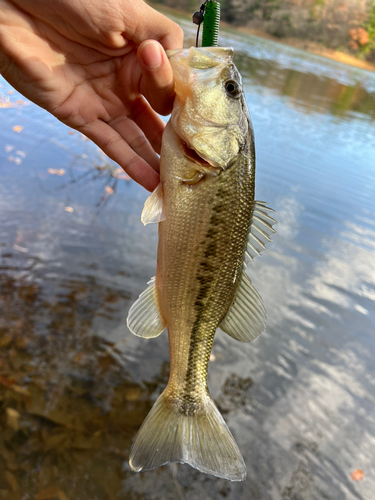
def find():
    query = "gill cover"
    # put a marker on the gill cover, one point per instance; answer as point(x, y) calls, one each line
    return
point(209, 112)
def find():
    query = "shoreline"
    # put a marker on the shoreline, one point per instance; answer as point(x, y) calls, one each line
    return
point(306, 45)
point(311, 47)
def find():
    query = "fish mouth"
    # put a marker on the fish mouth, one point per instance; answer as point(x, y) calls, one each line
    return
point(194, 156)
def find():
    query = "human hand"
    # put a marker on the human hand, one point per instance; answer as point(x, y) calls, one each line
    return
point(94, 65)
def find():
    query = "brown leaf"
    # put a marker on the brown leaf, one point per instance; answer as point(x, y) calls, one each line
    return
point(6, 382)
point(133, 393)
point(13, 417)
point(357, 475)
point(50, 493)
point(11, 385)
point(56, 171)
point(120, 174)
point(5, 340)
point(55, 441)
point(11, 478)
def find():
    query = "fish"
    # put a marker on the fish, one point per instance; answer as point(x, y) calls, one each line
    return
point(210, 229)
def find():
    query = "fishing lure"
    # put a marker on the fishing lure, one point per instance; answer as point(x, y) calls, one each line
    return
point(209, 14)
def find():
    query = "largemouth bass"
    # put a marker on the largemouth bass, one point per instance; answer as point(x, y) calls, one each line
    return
point(210, 227)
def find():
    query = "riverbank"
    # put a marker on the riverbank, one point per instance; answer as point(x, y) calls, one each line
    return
point(312, 47)
point(308, 46)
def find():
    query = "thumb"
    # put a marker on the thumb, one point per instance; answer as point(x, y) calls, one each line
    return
point(157, 83)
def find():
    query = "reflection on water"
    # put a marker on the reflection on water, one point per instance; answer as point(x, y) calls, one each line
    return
point(309, 82)
point(307, 91)
point(75, 384)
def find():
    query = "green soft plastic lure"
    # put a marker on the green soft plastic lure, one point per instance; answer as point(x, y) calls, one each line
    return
point(211, 22)
point(209, 14)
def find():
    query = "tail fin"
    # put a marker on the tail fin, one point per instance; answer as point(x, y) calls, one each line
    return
point(202, 440)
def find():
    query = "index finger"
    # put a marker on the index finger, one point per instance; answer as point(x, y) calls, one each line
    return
point(144, 23)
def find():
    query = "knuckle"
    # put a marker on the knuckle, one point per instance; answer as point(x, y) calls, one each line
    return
point(132, 163)
point(138, 141)
point(111, 142)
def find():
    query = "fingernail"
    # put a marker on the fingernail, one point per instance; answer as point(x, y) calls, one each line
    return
point(151, 55)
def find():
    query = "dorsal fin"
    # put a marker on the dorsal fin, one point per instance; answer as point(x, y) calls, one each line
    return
point(260, 231)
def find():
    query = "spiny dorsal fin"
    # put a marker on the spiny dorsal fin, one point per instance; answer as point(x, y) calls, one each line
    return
point(153, 208)
point(144, 318)
point(260, 231)
point(246, 318)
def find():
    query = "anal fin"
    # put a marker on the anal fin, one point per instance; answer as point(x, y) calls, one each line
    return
point(247, 317)
point(144, 319)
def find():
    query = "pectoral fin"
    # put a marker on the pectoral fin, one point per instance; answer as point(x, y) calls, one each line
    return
point(144, 319)
point(153, 208)
point(246, 318)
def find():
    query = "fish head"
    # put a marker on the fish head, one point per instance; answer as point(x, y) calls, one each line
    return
point(210, 114)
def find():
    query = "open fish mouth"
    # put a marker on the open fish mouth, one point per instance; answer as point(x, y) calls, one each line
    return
point(194, 156)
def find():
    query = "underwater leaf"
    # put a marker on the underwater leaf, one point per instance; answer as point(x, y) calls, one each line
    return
point(133, 393)
point(120, 174)
point(11, 385)
point(357, 475)
point(56, 171)
point(20, 102)
point(50, 494)
point(20, 249)
point(11, 479)
point(5, 340)
point(12, 419)
point(15, 160)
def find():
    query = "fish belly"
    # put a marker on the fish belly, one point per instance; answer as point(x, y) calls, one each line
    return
point(201, 245)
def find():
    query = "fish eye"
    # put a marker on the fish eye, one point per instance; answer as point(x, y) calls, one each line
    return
point(232, 88)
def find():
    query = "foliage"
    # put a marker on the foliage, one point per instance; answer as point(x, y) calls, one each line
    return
point(369, 26)
point(336, 24)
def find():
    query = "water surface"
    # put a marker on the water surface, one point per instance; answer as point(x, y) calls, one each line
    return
point(75, 384)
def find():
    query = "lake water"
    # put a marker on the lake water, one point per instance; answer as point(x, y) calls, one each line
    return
point(75, 384)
